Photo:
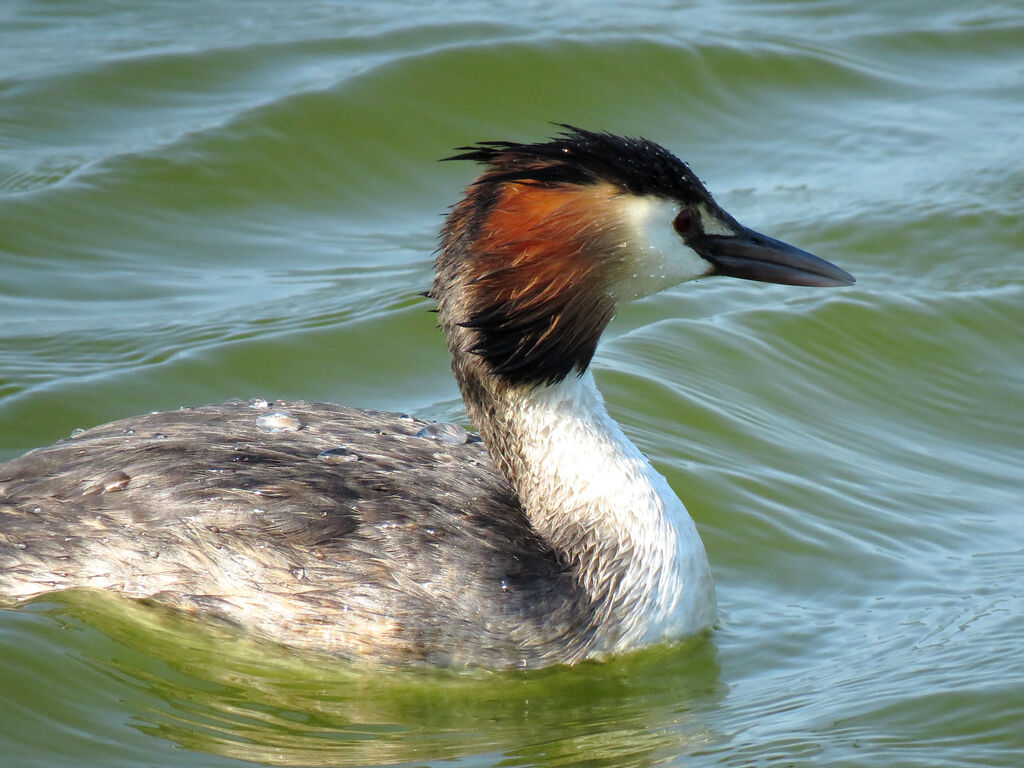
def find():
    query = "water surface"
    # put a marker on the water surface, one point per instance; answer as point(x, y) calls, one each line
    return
point(241, 199)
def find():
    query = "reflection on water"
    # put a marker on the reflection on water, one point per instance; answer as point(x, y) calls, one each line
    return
point(208, 689)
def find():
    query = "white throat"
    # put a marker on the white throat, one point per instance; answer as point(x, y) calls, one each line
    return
point(594, 495)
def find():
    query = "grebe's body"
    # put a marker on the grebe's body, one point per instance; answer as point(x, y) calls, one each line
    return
point(377, 536)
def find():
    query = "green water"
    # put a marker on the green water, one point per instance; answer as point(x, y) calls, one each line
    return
point(235, 199)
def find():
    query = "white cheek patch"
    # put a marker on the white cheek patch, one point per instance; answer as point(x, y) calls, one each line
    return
point(657, 256)
point(713, 225)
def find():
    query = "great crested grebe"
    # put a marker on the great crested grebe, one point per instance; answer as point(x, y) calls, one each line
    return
point(377, 536)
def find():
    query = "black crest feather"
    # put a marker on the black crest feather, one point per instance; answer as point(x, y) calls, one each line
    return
point(579, 156)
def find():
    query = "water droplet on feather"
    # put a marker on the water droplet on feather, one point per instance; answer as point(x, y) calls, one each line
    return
point(443, 432)
point(337, 456)
point(278, 421)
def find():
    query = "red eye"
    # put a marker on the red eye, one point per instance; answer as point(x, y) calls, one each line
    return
point(683, 221)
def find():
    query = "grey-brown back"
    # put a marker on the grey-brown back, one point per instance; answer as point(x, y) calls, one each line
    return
point(361, 533)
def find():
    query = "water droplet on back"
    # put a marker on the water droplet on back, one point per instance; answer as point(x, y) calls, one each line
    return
point(337, 456)
point(443, 432)
point(278, 421)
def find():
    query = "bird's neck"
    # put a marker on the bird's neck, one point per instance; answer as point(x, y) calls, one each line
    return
point(594, 497)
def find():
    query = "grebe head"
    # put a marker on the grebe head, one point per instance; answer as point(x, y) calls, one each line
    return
point(553, 235)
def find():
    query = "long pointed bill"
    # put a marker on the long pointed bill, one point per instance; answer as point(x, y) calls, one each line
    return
point(753, 256)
